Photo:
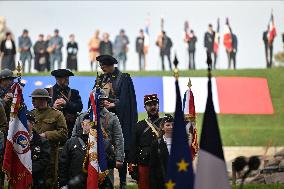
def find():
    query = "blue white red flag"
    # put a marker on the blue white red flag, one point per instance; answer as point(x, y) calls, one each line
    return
point(97, 157)
point(17, 161)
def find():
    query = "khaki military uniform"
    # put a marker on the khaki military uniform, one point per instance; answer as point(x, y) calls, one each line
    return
point(3, 120)
point(51, 122)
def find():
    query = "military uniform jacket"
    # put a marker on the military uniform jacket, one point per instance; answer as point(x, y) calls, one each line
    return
point(51, 122)
point(141, 142)
point(40, 151)
point(209, 41)
point(71, 162)
point(110, 123)
point(3, 120)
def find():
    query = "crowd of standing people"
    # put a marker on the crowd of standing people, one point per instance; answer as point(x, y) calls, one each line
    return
point(46, 52)
point(59, 130)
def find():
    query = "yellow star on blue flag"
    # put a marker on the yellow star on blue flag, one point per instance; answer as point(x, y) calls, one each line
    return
point(180, 170)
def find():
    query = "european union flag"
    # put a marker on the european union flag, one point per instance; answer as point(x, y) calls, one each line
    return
point(180, 171)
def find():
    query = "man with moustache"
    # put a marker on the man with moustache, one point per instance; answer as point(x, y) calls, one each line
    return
point(146, 131)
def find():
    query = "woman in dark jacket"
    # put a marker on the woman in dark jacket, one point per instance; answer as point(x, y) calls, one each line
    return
point(72, 50)
point(40, 57)
point(160, 150)
point(8, 52)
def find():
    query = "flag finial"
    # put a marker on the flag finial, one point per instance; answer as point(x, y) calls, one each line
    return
point(176, 74)
point(19, 68)
point(189, 84)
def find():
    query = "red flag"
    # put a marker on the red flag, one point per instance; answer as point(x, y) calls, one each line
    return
point(272, 30)
point(217, 38)
point(17, 161)
point(228, 37)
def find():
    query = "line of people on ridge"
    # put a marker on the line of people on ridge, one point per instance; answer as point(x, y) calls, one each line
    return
point(48, 51)
point(59, 136)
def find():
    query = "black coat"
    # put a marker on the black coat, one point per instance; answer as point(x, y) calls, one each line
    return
point(72, 50)
point(209, 41)
point(166, 46)
point(124, 98)
point(158, 164)
point(192, 43)
point(40, 152)
point(72, 158)
point(8, 51)
point(105, 48)
point(71, 163)
point(140, 44)
point(73, 105)
point(142, 139)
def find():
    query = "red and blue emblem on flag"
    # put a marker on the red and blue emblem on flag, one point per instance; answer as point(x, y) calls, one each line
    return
point(17, 161)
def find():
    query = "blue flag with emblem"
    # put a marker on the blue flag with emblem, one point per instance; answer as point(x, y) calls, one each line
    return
point(180, 171)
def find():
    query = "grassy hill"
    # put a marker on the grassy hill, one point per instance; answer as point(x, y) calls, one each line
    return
point(240, 130)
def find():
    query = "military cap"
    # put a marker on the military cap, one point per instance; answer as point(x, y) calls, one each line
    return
point(30, 116)
point(62, 73)
point(168, 118)
point(40, 93)
point(6, 73)
point(151, 98)
point(106, 60)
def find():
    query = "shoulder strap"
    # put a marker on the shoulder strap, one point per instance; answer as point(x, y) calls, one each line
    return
point(82, 142)
point(154, 130)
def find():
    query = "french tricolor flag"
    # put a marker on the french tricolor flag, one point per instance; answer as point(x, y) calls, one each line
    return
point(228, 36)
point(97, 166)
point(272, 30)
point(17, 161)
point(211, 167)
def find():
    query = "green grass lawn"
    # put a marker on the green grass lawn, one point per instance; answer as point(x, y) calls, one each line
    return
point(240, 130)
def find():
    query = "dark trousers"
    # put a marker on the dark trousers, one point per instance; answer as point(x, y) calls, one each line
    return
point(269, 55)
point(231, 57)
point(191, 64)
point(209, 53)
point(123, 172)
point(141, 58)
point(163, 61)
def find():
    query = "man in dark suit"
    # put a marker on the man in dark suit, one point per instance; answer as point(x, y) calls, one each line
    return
point(268, 46)
point(119, 88)
point(165, 44)
point(65, 99)
point(140, 50)
point(191, 41)
point(209, 44)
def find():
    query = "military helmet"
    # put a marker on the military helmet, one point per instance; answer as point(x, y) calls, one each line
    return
point(6, 73)
point(40, 93)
